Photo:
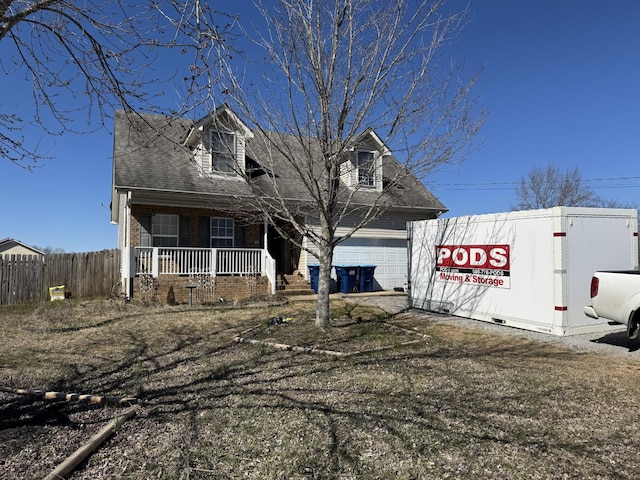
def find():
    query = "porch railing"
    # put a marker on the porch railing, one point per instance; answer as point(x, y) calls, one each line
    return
point(200, 261)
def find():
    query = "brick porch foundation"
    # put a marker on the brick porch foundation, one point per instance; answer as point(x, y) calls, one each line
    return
point(208, 289)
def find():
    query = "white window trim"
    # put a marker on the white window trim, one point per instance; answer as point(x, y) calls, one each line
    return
point(373, 175)
point(155, 235)
point(222, 237)
point(234, 153)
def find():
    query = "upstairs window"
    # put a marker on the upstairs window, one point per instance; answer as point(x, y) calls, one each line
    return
point(221, 232)
point(365, 162)
point(223, 152)
point(164, 230)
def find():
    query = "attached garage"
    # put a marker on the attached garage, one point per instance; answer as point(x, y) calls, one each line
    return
point(382, 243)
point(388, 255)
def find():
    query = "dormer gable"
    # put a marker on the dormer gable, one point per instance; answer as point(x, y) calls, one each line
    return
point(363, 166)
point(218, 142)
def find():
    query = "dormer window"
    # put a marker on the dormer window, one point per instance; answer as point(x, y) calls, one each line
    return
point(223, 152)
point(365, 162)
point(363, 167)
point(218, 142)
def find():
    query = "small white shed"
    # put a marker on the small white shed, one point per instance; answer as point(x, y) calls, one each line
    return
point(528, 269)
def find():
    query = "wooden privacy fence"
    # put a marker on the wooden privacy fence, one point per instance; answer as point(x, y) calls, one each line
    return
point(27, 278)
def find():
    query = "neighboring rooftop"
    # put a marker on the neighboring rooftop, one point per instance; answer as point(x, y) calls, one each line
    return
point(11, 246)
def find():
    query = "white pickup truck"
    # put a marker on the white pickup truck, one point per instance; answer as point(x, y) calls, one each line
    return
point(615, 296)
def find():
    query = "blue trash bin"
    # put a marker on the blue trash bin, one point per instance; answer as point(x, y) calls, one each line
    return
point(347, 278)
point(314, 273)
point(366, 277)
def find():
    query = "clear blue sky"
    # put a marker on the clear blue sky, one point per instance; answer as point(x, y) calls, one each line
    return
point(561, 82)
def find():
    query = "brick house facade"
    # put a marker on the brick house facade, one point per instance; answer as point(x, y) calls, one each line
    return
point(187, 191)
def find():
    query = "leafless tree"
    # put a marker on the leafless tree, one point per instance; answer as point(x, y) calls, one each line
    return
point(551, 187)
point(333, 70)
point(48, 250)
point(93, 57)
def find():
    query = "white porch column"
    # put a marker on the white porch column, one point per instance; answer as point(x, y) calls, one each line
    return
point(155, 262)
point(266, 233)
point(268, 263)
point(128, 253)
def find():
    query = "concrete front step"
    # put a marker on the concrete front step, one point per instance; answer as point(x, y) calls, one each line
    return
point(294, 285)
point(291, 292)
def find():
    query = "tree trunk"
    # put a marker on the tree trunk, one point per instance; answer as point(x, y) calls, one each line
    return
point(323, 314)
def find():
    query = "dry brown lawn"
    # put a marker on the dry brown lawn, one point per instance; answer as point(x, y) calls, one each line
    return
point(426, 400)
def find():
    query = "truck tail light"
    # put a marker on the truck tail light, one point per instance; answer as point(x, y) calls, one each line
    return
point(595, 283)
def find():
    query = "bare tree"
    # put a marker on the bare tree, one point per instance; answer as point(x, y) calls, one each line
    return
point(551, 187)
point(48, 250)
point(333, 71)
point(93, 57)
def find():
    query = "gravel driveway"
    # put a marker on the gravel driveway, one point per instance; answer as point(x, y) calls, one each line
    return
point(612, 342)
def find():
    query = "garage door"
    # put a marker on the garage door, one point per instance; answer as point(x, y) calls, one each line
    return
point(389, 256)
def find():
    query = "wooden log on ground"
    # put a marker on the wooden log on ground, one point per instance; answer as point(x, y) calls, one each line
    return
point(292, 348)
point(333, 353)
point(83, 452)
point(72, 397)
point(406, 330)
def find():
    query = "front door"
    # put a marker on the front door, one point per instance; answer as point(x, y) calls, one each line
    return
point(276, 247)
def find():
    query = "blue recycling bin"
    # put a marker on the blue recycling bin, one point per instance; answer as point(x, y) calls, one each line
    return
point(366, 277)
point(347, 278)
point(314, 273)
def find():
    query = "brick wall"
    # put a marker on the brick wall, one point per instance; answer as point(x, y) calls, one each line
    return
point(252, 233)
point(211, 289)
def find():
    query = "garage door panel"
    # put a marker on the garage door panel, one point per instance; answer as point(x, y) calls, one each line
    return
point(366, 257)
point(354, 257)
point(389, 257)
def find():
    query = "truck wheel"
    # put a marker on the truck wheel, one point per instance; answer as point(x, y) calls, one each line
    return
point(632, 328)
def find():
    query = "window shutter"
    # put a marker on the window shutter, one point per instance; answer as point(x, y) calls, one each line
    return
point(205, 232)
point(184, 232)
point(145, 231)
point(238, 236)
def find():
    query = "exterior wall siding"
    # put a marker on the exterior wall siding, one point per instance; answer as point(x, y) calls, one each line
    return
point(19, 250)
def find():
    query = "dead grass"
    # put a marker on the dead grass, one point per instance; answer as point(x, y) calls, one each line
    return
point(458, 404)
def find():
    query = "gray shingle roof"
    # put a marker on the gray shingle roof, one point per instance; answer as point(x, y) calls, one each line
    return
point(7, 243)
point(149, 156)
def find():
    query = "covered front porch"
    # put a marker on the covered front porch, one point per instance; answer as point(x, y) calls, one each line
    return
point(203, 274)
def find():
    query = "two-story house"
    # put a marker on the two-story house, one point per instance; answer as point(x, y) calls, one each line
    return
point(186, 216)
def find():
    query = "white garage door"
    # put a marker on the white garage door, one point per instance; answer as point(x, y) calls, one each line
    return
point(389, 257)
